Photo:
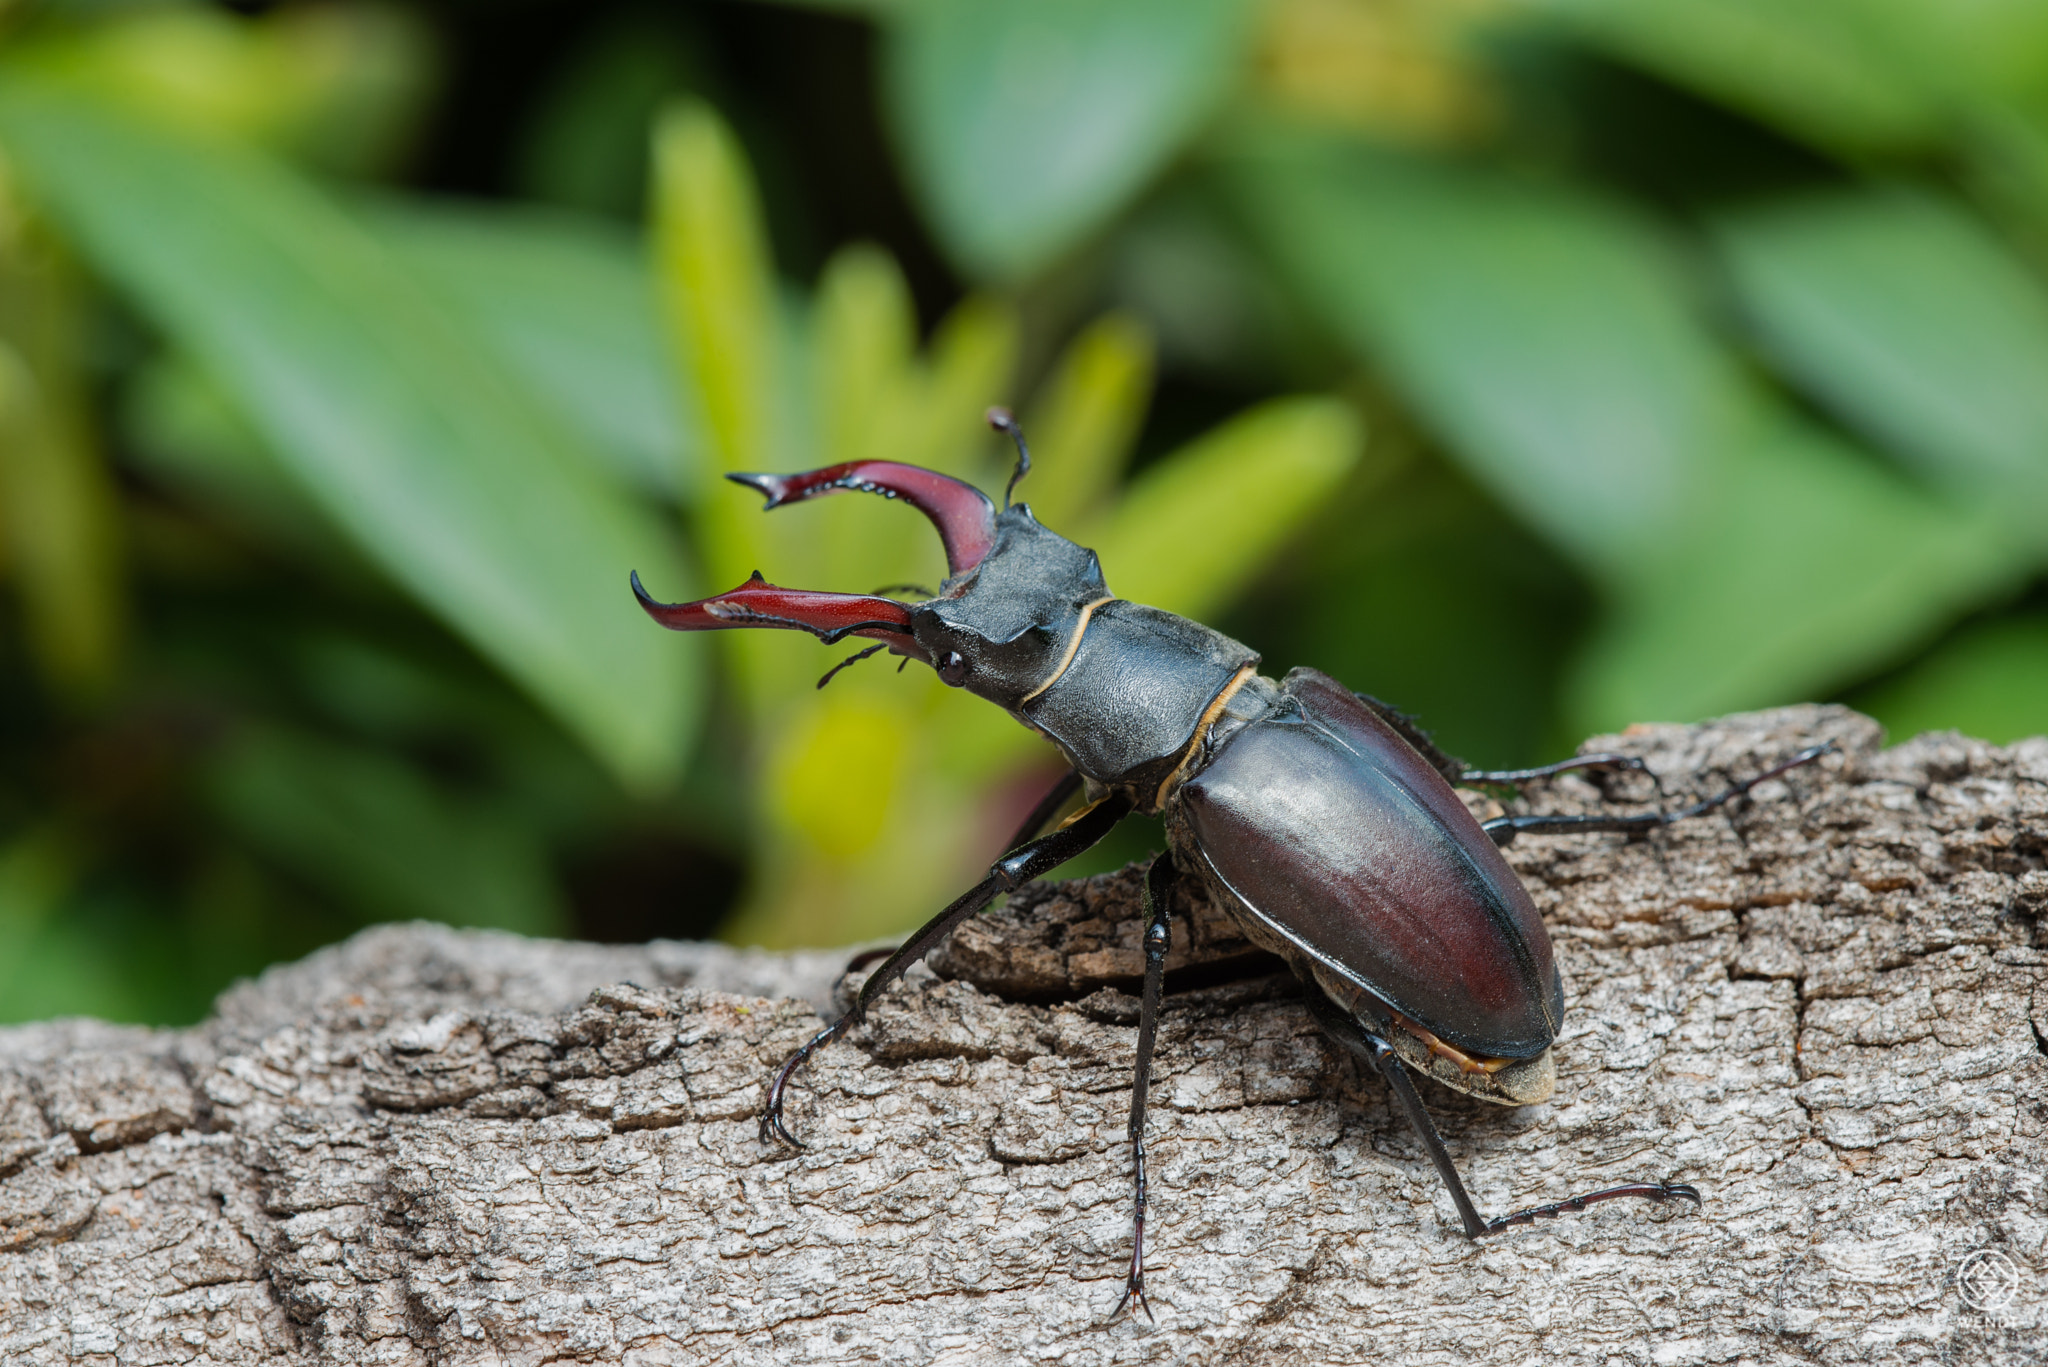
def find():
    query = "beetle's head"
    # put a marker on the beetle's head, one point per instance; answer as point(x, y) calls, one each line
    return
point(1006, 619)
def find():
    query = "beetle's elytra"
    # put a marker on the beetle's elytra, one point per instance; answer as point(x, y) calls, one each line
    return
point(1320, 819)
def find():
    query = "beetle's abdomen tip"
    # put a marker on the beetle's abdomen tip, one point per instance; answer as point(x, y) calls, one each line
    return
point(1523, 1082)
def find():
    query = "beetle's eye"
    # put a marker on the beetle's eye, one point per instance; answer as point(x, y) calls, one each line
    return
point(952, 667)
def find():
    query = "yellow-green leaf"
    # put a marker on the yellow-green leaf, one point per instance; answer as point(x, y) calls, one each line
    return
point(1085, 423)
point(1195, 527)
point(59, 524)
point(717, 282)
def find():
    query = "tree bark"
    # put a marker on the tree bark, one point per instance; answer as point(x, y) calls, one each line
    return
point(1823, 1006)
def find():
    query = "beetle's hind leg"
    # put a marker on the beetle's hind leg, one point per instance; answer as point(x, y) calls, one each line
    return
point(1348, 1031)
point(1020, 866)
point(1456, 770)
point(1343, 1027)
point(1605, 759)
point(1504, 829)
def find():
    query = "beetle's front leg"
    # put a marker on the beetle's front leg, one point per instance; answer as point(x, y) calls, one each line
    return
point(1353, 1035)
point(1159, 881)
point(1013, 870)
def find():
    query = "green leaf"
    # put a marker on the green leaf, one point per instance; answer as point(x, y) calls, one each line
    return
point(69, 948)
point(1237, 492)
point(1864, 78)
point(1747, 560)
point(1810, 566)
point(566, 304)
point(1857, 76)
point(970, 361)
point(185, 433)
point(877, 398)
point(433, 460)
point(2010, 164)
point(37, 872)
point(1026, 124)
point(1990, 680)
point(869, 9)
point(60, 514)
point(1907, 317)
point(1543, 333)
point(375, 830)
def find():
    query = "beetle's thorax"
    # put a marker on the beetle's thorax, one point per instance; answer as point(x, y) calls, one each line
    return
point(1123, 689)
point(1132, 704)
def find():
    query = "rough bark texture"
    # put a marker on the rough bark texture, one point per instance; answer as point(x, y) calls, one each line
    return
point(428, 1146)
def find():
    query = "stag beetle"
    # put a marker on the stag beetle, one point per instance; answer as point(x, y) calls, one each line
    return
point(1322, 820)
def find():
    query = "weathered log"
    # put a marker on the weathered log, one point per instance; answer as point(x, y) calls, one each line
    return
point(1824, 1007)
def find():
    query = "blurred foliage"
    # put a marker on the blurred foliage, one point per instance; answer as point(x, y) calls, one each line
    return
point(869, 795)
point(1541, 365)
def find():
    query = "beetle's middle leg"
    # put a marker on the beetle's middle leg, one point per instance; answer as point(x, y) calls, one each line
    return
point(1342, 1026)
point(1013, 870)
point(1069, 783)
point(1504, 829)
point(1159, 881)
point(1458, 772)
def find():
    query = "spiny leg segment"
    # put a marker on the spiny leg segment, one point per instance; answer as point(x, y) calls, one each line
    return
point(1373, 1046)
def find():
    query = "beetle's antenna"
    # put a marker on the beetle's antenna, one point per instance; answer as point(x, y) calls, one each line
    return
point(889, 590)
point(855, 659)
point(1005, 421)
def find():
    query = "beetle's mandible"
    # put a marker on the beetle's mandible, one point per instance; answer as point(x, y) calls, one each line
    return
point(1322, 820)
